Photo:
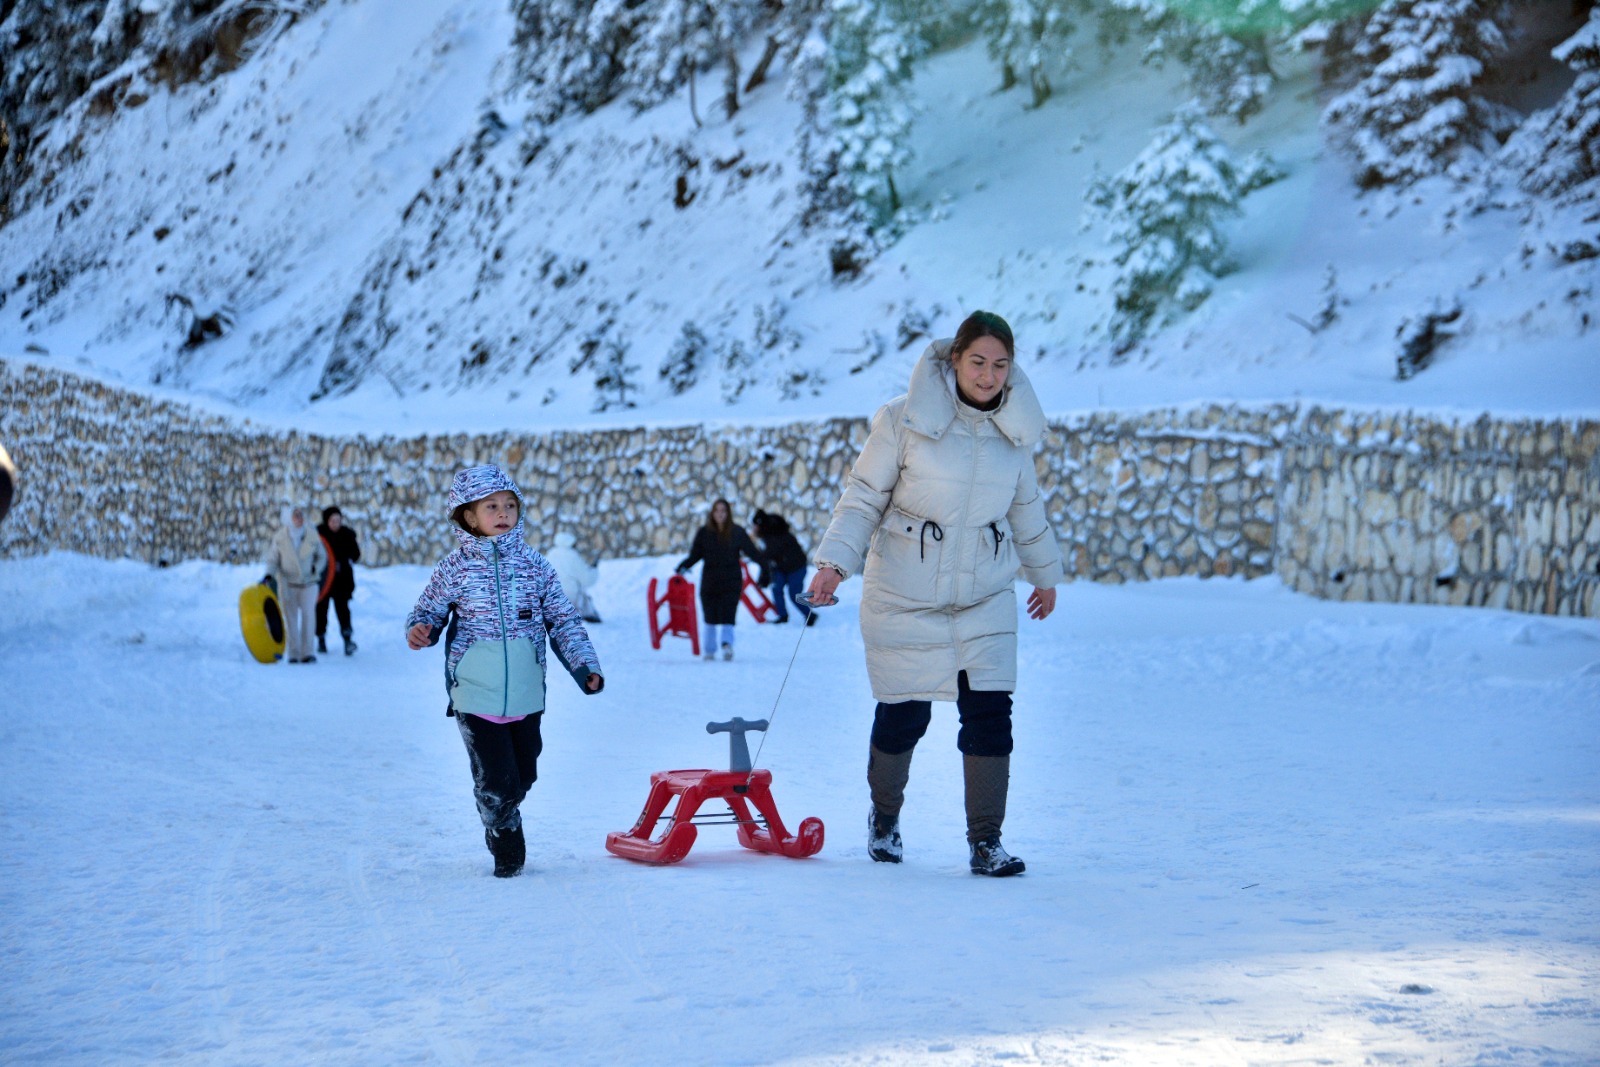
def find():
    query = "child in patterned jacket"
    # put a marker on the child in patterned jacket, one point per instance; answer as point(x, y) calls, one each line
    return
point(498, 602)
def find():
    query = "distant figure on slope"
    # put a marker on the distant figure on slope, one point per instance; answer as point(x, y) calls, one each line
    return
point(297, 562)
point(8, 481)
point(788, 559)
point(576, 573)
point(719, 543)
point(939, 514)
point(346, 553)
point(498, 603)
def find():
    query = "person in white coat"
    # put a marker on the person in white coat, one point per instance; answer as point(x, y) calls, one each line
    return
point(298, 562)
point(940, 514)
point(576, 574)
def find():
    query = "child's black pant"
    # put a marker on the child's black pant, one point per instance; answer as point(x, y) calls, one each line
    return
point(505, 762)
point(985, 722)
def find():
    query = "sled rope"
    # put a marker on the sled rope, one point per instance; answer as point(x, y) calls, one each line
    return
point(804, 598)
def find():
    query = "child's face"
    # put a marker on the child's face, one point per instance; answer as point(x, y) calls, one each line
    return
point(494, 515)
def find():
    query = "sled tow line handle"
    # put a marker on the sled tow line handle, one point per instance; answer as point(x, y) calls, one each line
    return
point(803, 598)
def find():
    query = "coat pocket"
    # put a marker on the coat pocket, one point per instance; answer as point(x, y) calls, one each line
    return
point(998, 562)
point(908, 551)
point(499, 678)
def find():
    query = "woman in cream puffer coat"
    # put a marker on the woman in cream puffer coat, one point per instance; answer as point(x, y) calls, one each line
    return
point(297, 561)
point(940, 514)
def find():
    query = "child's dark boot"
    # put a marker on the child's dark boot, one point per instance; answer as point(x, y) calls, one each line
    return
point(509, 849)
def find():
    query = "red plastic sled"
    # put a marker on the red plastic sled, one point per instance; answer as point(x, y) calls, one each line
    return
point(739, 789)
point(760, 604)
point(682, 619)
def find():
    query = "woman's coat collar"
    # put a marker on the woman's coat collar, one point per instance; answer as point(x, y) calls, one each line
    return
point(931, 400)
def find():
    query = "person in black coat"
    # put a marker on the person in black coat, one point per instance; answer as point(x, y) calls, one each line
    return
point(788, 563)
point(8, 481)
point(346, 552)
point(719, 543)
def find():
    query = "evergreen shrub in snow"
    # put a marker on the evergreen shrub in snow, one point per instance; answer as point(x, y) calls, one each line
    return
point(1027, 38)
point(1421, 336)
point(1165, 213)
point(681, 367)
point(1417, 111)
point(870, 48)
point(1558, 150)
point(614, 385)
point(738, 369)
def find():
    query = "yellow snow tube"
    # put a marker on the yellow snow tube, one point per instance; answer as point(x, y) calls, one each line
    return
point(262, 622)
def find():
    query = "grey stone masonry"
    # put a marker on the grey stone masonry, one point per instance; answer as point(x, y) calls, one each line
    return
point(1354, 505)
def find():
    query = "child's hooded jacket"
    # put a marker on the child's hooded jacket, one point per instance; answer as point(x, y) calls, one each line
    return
point(507, 602)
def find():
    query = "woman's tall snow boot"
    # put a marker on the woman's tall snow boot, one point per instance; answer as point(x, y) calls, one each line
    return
point(886, 777)
point(988, 778)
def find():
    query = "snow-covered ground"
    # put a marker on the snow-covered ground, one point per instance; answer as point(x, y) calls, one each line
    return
point(1260, 828)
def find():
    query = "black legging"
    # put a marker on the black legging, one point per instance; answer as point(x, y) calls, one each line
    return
point(341, 607)
point(985, 722)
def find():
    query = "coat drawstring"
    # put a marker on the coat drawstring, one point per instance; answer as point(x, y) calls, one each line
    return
point(994, 527)
point(938, 535)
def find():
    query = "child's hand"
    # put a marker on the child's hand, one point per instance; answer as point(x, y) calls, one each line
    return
point(593, 682)
point(417, 636)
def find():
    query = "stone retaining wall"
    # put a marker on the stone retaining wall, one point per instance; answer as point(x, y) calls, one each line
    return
point(1350, 505)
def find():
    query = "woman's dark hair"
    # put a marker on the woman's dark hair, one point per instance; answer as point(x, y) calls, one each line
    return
point(983, 324)
point(724, 532)
point(330, 511)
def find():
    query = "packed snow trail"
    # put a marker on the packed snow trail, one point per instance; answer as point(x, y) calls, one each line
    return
point(1259, 828)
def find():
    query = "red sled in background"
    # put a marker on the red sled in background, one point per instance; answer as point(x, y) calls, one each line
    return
point(682, 618)
point(752, 596)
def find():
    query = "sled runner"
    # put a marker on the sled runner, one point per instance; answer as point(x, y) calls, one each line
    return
point(759, 603)
point(682, 619)
point(739, 787)
point(261, 620)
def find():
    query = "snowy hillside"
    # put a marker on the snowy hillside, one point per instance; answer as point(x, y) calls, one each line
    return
point(369, 225)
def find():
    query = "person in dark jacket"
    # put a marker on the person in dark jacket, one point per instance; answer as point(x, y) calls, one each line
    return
point(346, 554)
point(788, 563)
point(8, 481)
point(719, 543)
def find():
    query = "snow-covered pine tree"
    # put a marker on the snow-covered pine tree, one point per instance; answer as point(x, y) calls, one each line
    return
point(738, 369)
point(870, 49)
point(681, 367)
point(827, 195)
point(571, 54)
point(1417, 111)
point(1027, 38)
point(614, 385)
point(1165, 211)
point(674, 39)
point(1558, 150)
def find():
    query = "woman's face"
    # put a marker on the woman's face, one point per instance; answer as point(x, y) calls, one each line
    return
point(981, 370)
point(335, 521)
point(719, 512)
